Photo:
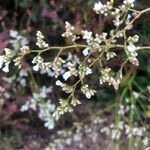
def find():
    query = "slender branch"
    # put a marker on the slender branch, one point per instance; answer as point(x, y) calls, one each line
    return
point(144, 47)
point(59, 47)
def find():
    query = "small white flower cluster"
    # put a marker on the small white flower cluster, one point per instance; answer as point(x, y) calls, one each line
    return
point(45, 113)
point(17, 40)
point(122, 128)
point(19, 59)
point(75, 101)
point(108, 8)
point(117, 13)
point(132, 54)
point(139, 132)
point(115, 131)
point(70, 32)
point(4, 94)
point(110, 55)
point(53, 68)
point(62, 69)
point(62, 108)
point(129, 2)
point(57, 66)
point(93, 42)
point(66, 88)
point(107, 77)
point(40, 64)
point(132, 49)
point(21, 78)
point(6, 59)
point(83, 70)
point(87, 91)
point(72, 71)
point(45, 108)
point(134, 131)
point(86, 51)
point(74, 139)
point(100, 8)
point(40, 40)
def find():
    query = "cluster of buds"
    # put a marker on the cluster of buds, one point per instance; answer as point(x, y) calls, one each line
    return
point(86, 51)
point(83, 70)
point(133, 39)
point(87, 35)
point(129, 3)
point(56, 66)
point(66, 88)
point(40, 64)
point(40, 40)
point(6, 59)
point(132, 54)
point(115, 131)
point(104, 9)
point(63, 108)
point(45, 108)
point(87, 91)
point(107, 77)
point(75, 101)
point(72, 71)
point(23, 51)
point(70, 32)
point(110, 55)
point(93, 42)
point(17, 40)
point(134, 131)
point(45, 113)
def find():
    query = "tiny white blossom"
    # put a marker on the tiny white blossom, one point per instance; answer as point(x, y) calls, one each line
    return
point(59, 83)
point(145, 141)
point(88, 71)
point(86, 51)
point(2, 59)
point(13, 33)
point(88, 95)
point(36, 67)
point(98, 6)
point(131, 48)
point(87, 35)
point(6, 68)
point(66, 75)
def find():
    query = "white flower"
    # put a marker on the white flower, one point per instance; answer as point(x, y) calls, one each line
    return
point(66, 75)
point(59, 83)
point(36, 67)
point(88, 71)
point(88, 95)
point(6, 68)
point(25, 107)
point(50, 106)
point(87, 35)
point(131, 48)
point(2, 59)
point(86, 51)
point(145, 141)
point(17, 40)
point(98, 6)
point(8, 52)
point(128, 1)
point(49, 124)
point(23, 82)
point(88, 92)
point(13, 33)
point(136, 95)
point(40, 40)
